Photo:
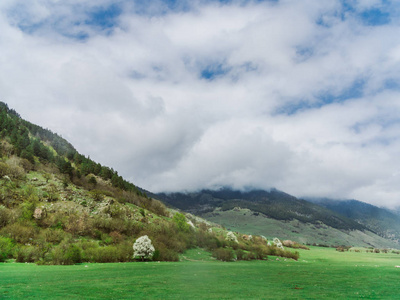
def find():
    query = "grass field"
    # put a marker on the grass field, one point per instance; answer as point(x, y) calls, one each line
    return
point(321, 273)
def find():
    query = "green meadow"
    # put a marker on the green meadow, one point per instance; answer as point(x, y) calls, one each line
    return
point(320, 273)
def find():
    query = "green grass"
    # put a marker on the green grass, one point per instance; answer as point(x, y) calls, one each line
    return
point(320, 273)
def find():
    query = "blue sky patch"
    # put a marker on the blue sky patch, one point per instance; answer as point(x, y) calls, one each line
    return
point(375, 17)
point(213, 71)
point(104, 17)
point(324, 98)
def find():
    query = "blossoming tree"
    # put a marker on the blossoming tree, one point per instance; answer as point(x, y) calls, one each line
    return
point(278, 243)
point(143, 248)
point(230, 236)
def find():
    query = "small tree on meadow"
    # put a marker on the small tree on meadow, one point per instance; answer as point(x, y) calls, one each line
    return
point(143, 248)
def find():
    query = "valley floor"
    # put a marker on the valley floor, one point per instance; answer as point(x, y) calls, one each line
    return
point(320, 273)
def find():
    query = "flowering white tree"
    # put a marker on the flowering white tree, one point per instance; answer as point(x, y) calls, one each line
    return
point(230, 236)
point(278, 243)
point(143, 248)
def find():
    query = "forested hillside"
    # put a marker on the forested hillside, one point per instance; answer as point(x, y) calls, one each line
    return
point(58, 206)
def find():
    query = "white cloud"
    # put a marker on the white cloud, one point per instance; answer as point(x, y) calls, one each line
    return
point(133, 96)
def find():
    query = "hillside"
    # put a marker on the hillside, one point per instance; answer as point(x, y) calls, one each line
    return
point(58, 206)
point(275, 213)
point(379, 220)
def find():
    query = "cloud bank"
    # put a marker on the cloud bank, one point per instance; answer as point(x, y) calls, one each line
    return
point(298, 95)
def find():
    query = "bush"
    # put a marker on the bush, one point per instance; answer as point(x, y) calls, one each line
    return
point(22, 233)
point(240, 254)
point(295, 245)
point(230, 236)
point(65, 254)
point(259, 251)
point(224, 254)
point(54, 236)
point(4, 216)
point(181, 223)
point(74, 254)
point(6, 248)
point(105, 254)
point(28, 254)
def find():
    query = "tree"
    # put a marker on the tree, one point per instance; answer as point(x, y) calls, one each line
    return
point(92, 180)
point(278, 243)
point(180, 221)
point(230, 236)
point(143, 248)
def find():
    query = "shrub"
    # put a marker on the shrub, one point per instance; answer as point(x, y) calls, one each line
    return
point(6, 248)
point(20, 232)
point(278, 243)
point(295, 245)
point(66, 253)
point(181, 223)
point(105, 254)
point(230, 236)
point(259, 251)
point(143, 248)
point(164, 254)
point(224, 254)
point(28, 254)
point(4, 216)
point(53, 236)
point(240, 254)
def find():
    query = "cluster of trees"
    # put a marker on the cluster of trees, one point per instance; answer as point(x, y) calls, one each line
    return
point(35, 144)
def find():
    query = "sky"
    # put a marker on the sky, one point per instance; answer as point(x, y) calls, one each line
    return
point(298, 95)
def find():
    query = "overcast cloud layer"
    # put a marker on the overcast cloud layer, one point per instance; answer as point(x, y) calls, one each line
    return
point(299, 95)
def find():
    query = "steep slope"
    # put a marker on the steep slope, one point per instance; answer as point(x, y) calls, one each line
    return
point(273, 213)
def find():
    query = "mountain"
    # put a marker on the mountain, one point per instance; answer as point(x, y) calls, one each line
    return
point(380, 220)
point(275, 213)
point(58, 206)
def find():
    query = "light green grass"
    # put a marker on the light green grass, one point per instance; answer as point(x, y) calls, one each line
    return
point(320, 273)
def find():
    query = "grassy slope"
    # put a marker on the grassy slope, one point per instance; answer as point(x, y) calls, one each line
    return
point(320, 273)
point(245, 221)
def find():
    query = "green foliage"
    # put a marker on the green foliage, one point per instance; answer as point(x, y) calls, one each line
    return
point(180, 221)
point(27, 210)
point(92, 180)
point(224, 254)
point(6, 248)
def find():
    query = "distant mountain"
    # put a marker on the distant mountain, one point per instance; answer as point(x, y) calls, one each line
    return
point(268, 212)
point(380, 220)
point(274, 204)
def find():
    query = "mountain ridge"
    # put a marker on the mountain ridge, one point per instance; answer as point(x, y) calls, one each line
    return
point(275, 205)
